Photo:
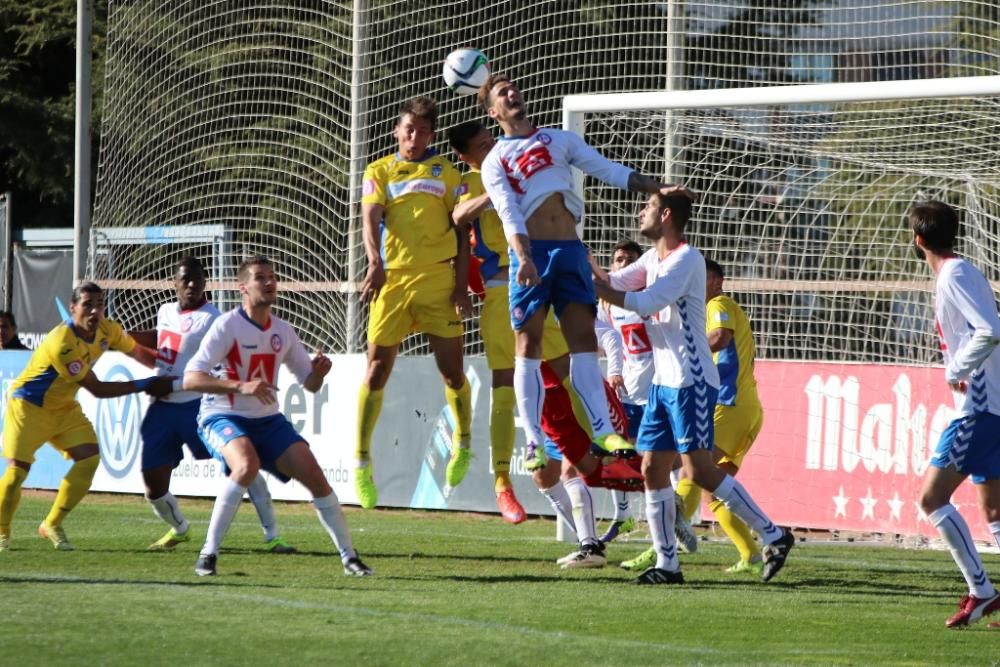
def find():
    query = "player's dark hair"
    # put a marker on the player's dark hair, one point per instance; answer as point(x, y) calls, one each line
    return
point(936, 223)
point(423, 108)
point(85, 287)
point(7, 315)
point(628, 245)
point(680, 208)
point(714, 267)
point(460, 135)
point(243, 273)
point(190, 263)
point(483, 95)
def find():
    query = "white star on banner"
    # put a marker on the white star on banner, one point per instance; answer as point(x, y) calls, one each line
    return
point(869, 503)
point(895, 507)
point(840, 500)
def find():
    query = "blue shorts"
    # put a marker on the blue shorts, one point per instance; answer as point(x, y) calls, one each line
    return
point(565, 278)
point(552, 451)
point(271, 437)
point(165, 429)
point(971, 445)
point(633, 413)
point(678, 419)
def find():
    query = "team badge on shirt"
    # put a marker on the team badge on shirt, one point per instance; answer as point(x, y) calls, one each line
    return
point(436, 170)
point(544, 138)
point(276, 343)
point(74, 368)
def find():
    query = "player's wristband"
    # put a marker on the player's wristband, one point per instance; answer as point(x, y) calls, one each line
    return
point(177, 384)
point(142, 383)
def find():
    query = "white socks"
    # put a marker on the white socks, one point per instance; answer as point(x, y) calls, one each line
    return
point(261, 499)
point(956, 535)
point(561, 503)
point(583, 509)
point(226, 505)
point(995, 529)
point(166, 508)
point(660, 515)
point(332, 518)
point(529, 390)
point(588, 382)
point(739, 502)
point(623, 509)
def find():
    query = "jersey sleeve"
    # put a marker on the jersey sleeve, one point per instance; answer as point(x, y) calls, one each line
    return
point(611, 342)
point(466, 189)
point(213, 349)
point(502, 196)
point(297, 360)
point(979, 309)
point(118, 339)
point(717, 316)
point(373, 190)
point(587, 159)
point(453, 180)
point(670, 285)
point(629, 278)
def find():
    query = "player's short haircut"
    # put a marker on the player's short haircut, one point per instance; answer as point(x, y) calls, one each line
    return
point(680, 208)
point(7, 315)
point(422, 108)
point(628, 245)
point(85, 287)
point(243, 273)
point(936, 223)
point(483, 96)
point(460, 135)
point(191, 263)
point(714, 267)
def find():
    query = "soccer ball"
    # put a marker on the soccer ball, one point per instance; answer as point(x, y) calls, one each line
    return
point(465, 70)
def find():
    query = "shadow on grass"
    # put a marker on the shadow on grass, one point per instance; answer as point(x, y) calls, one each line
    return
point(214, 581)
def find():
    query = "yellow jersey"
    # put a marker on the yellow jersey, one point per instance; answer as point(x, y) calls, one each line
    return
point(418, 198)
point(53, 374)
point(735, 362)
point(489, 243)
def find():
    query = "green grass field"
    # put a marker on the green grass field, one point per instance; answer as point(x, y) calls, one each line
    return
point(456, 589)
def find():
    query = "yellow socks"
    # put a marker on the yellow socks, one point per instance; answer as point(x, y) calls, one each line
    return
point(579, 411)
point(502, 435)
point(74, 487)
point(460, 402)
point(10, 495)
point(690, 496)
point(735, 529)
point(369, 408)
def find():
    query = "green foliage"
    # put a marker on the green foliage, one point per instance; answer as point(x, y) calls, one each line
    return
point(456, 589)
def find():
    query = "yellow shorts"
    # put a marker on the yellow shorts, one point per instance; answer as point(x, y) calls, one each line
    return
point(736, 427)
point(498, 334)
point(414, 300)
point(26, 427)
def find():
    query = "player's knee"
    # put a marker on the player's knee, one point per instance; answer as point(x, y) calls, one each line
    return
point(931, 501)
point(244, 472)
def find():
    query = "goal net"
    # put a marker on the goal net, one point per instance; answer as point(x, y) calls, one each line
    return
point(258, 118)
point(803, 199)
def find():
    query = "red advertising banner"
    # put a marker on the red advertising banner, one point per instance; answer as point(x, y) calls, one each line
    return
point(845, 446)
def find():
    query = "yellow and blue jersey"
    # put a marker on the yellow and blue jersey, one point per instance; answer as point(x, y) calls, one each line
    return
point(418, 198)
point(53, 374)
point(489, 243)
point(735, 362)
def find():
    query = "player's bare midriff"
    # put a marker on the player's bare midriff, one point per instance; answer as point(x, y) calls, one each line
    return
point(552, 221)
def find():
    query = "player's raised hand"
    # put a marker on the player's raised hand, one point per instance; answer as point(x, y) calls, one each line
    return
point(672, 189)
point(321, 365)
point(527, 274)
point(373, 282)
point(262, 390)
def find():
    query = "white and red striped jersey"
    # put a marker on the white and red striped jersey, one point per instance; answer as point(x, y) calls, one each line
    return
point(521, 172)
point(969, 327)
point(247, 351)
point(637, 350)
point(178, 335)
point(671, 293)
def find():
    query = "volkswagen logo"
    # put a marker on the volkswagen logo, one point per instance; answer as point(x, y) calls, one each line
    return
point(118, 426)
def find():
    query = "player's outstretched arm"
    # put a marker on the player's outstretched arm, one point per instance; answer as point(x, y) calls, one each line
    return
point(371, 218)
point(641, 183)
point(155, 386)
point(460, 295)
point(144, 355)
point(321, 365)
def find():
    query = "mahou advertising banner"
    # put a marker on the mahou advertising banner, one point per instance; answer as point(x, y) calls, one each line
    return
point(846, 446)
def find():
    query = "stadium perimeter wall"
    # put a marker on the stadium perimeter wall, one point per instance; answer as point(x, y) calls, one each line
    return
point(843, 446)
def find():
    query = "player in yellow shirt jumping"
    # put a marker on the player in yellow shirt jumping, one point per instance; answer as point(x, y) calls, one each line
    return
point(42, 407)
point(416, 280)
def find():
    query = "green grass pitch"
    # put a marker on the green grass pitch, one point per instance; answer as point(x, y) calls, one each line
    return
point(455, 589)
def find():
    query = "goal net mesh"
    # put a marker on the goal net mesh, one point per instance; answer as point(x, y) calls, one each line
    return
point(230, 129)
